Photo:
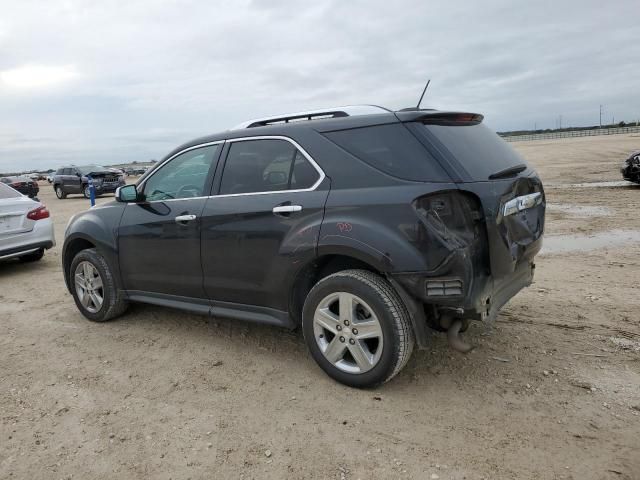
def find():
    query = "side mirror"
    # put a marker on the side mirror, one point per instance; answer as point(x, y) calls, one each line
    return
point(78, 174)
point(126, 194)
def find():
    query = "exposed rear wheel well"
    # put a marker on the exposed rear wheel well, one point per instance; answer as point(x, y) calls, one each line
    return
point(320, 268)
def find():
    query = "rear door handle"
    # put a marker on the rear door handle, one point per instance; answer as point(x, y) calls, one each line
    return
point(185, 218)
point(287, 208)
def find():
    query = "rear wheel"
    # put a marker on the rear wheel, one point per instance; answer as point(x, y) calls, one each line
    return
point(94, 287)
point(33, 257)
point(60, 193)
point(357, 328)
point(86, 191)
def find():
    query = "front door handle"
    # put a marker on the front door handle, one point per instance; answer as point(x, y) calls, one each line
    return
point(287, 208)
point(185, 218)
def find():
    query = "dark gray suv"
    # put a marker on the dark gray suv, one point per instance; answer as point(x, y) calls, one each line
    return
point(74, 179)
point(365, 227)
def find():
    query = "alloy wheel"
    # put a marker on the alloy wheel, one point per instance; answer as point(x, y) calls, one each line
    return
point(348, 332)
point(89, 286)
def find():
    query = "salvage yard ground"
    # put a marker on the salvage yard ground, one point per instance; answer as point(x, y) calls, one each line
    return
point(552, 390)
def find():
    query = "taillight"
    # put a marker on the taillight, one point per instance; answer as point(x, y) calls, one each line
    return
point(38, 213)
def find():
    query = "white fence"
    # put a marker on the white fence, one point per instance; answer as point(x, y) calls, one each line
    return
point(572, 133)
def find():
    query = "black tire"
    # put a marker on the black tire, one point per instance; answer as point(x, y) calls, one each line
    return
point(114, 302)
point(377, 292)
point(60, 193)
point(86, 191)
point(33, 257)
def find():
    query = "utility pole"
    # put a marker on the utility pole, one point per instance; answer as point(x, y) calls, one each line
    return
point(600, 116)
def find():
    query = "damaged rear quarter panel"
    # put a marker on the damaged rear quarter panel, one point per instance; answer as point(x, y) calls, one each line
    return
point(387, 235)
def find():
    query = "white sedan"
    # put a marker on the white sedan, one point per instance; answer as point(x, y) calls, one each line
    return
point(26, 228)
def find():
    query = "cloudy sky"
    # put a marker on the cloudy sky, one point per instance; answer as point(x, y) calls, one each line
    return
point(116, 81)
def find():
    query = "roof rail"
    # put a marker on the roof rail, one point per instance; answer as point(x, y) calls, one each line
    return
point(331, 112)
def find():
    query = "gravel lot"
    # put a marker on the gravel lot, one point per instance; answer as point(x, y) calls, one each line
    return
point(551, 391)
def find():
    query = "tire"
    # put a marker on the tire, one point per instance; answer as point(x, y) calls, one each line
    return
point(59, 192)
point(113, 303)
point(365, 291)
point(33, 257)
point(86, 191)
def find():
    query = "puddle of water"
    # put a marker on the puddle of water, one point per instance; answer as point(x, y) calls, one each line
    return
point(554, 244)
point(579, 210)
point(613, 184)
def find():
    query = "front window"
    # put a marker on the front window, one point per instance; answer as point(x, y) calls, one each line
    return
point(185, 176)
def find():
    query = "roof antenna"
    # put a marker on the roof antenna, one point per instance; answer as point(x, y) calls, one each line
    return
point(423, 92)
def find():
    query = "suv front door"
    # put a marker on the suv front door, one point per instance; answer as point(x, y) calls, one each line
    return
point(263, 223)
point(159, 236)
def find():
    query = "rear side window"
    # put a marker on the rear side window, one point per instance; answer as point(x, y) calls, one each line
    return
point(479, 150)
point(391, 149)
point(269, 165)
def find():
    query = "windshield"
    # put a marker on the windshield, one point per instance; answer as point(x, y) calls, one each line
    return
point(480, 151)
point(86, 169)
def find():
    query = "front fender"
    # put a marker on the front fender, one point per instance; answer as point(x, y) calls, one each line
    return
point(99, 227)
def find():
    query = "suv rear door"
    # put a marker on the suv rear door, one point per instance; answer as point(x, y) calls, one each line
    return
point(263, 221)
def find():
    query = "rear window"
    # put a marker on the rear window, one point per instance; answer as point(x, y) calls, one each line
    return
point(8, 192)
point(480, 150)
point(391, 149)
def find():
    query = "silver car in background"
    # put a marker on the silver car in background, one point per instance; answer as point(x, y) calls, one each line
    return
point(26, 228)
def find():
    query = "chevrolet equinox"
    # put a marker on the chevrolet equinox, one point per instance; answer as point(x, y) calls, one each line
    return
point(363, 226)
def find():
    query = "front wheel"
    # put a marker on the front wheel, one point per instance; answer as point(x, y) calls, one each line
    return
point(357, 328)
point(94, 287)
point(60, 193)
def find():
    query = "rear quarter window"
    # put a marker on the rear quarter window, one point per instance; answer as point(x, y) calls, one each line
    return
point(391, 149)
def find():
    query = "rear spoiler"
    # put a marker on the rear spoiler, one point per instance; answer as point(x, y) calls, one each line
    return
point(434, 117)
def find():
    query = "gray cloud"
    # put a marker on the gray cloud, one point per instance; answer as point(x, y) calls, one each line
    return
point(150, 75)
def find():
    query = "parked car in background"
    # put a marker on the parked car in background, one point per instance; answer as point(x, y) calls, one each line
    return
point(136, 170)
point(73, 179)
point(361, 225)
point(26, 229)
point(50, 178)
point(631, 168)
point(25, 185)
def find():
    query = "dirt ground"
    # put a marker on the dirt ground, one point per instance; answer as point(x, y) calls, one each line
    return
point(552, 390)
